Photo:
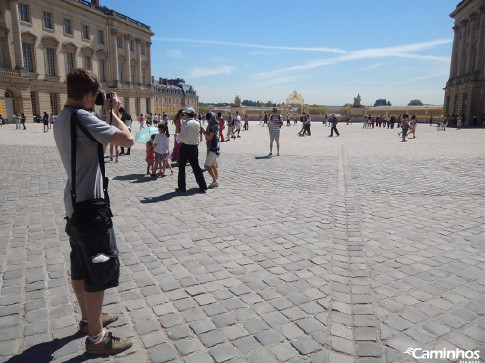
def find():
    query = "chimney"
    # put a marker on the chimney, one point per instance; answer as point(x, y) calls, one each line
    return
point(159, 80)
point(153, 79)
point(95, 2)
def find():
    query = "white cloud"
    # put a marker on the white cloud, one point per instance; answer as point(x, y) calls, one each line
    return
point(249, 45)
point(198, 72)
point(174, 53)
point(396, 51)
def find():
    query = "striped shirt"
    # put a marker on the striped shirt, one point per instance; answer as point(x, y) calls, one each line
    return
point(275, 122)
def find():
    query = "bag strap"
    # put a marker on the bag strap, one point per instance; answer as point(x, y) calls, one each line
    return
point(74, 125)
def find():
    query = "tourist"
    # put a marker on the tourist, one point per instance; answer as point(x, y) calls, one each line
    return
point(161, 146)
point(230, 126)
point(51, 120)
point(150, 156)
point(265, 119)
point(459, 122)
point(431, 121)
point(246, 122)
point(288, 120)
point(155, 120)
point(111, 146)
point(126, 118)
point(275, 121)
point(307, 122)
point(189, 151)
point(237, 125)
point(334, 121)
point(212, 143)
point(141, 120)
point(23, 119)
point(1, 121)
point(412, 125)
point(165, 119)
point(222, 126)
point(88, 282)
point(45, 120)
point(399, 120)
point(404, 127)
point(17, 121)
point(177, 121)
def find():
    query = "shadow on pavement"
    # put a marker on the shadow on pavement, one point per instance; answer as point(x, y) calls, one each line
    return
point(43, 352)
point(262, 157)
point(169, 196)
point(135, 178)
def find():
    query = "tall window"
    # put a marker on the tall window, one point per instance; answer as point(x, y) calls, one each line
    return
point(148, 101)
point(69, 61)
point(100, 37)
point(119, 41)
point(120, 72)
point(137, 107)
point(87, 62)
point(101, 70)
point(47, 20)
point(142, 81)
point(85, 32)
point(33, 100)
point(24, 12)
point(67, 26)
point(28, 59)
point(142, 49)
point(132, 73)
point(132, 47)
point(51, 62)
point(2, 54)
point(54, 105)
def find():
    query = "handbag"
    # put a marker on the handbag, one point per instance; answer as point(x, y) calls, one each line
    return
point(91, 219)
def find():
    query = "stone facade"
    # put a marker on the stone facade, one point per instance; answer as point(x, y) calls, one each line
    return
point(41, 41)
point(170, 95)
point(465, 89)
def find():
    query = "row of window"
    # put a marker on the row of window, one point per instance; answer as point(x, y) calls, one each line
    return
point(54, 103)
point(70, 58)
point(68, 29)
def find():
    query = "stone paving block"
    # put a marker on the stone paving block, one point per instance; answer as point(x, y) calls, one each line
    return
point(212, 338)
point(306, 345)
point(161, 353)
point(342, 345)
point(262, 355)
point(368, 349)
point(246, 344)
point(153, 339)
point(223, 352)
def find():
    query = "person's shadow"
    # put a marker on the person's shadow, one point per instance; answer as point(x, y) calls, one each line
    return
point(262, 157)
point(43, 352)
point(168, 196)
point(135, 178)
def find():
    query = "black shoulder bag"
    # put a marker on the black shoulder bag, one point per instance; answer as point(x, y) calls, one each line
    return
point(92, 218)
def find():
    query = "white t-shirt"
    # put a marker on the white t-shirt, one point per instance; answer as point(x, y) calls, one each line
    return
point(162, 143)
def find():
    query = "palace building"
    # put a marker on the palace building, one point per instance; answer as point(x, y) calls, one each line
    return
point(170, 95)
point(42, 41)
point(465, 89)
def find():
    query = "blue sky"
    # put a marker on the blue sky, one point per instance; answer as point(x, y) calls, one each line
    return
point(326, 50)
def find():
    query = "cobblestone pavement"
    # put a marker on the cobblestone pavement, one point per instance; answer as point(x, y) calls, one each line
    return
point(349, 249)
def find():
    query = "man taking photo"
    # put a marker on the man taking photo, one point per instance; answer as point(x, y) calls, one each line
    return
point(88, 282)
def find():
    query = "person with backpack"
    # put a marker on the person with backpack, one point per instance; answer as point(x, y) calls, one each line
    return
point(334, 121)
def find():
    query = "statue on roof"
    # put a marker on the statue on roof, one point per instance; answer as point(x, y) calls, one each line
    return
point(357, 101)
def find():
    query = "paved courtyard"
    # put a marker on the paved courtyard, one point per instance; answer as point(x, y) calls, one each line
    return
point(349, 249)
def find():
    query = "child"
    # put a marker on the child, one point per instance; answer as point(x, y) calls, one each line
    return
point(150, 158)
point(161, 146)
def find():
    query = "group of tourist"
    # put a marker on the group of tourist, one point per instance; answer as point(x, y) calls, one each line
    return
point(152, 119)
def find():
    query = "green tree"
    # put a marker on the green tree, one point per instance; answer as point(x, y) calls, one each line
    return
point(415, 103)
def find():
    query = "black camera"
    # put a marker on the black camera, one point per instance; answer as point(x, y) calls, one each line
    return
point(99, 97)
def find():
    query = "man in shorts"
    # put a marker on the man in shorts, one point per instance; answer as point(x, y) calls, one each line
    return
point(88, 282)
point(275, 122)
point(126, 118)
